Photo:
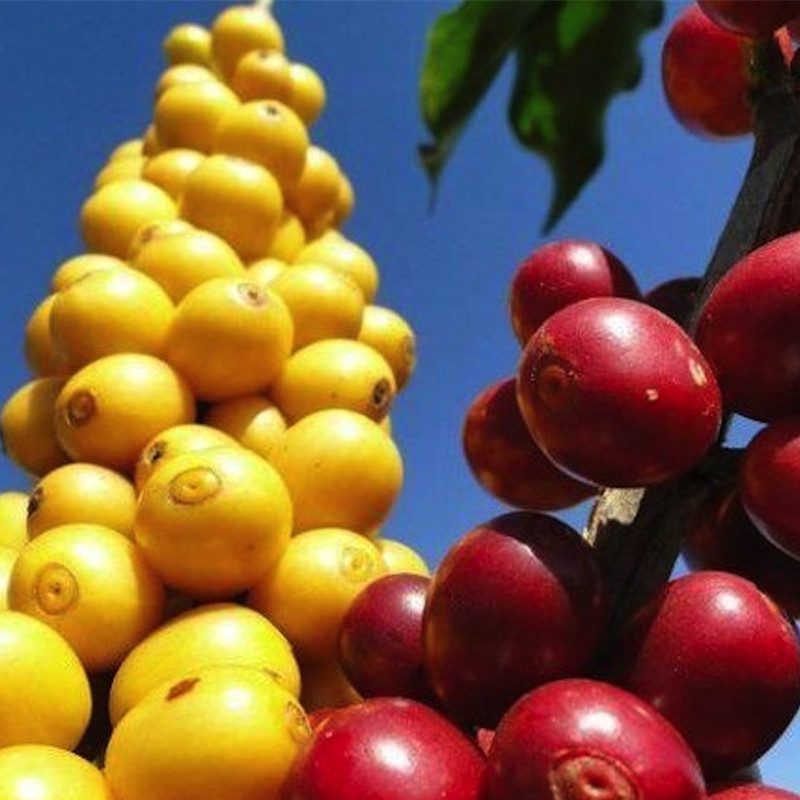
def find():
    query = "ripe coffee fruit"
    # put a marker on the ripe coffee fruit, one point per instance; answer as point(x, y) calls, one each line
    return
point(617, 394)
point(690, 651)
point(380, 639)
point(389, 748)
point(769, 480)
point(213, 633)
point(560, 273)
point(752, 18)
point(722, 537)
point(705, 71)
point(749, 332)
point(586, 739)
point(213, 522)
point(505, 459)
point(515, 603)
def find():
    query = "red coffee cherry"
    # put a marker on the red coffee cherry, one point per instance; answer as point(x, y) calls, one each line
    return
point(617, 394)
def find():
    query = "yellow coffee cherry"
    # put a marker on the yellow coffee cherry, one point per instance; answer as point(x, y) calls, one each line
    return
point(214, 521)
point(224, 732)
point(316, 192)
point(120, 169)
point(28, 427)
point(13, 519)
point(307, 96)
point(180, 258)
point(110, 311)
point(262, 75)
point(235, 199)
point(75, 268)
point(289, 239)
point(42, 772)
point(341, 254)
point(188, 114)
point(114, 213)
point(40, 354)
point(229, 337)
point(238, 30)
point(268, 133)
point(92, 585)
point(182, 74)
point(81, 492)
point(127, 149)
point(334, 373)
point(40, 673)
point(324, 303)
point(264, 270)
point(175, 441)
point(389, 333)
point(345, 201)
point(211, 634)
point(108, 410)
point(341, 470)
point(169, 169)
point(309, 589)
point(252, 420)
point(188, 43)
point(399, 557)
point(326, 686)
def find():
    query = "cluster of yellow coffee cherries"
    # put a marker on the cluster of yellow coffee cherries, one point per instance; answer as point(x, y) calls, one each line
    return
point(207, 429)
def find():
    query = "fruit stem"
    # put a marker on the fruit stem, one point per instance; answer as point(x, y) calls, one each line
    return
point(639, 533)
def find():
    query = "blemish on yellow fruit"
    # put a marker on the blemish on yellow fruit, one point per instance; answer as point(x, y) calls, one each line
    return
point(181, 688)
point(194, 486)
point(56, 589)
point(80, 408)
point(297, 723)
point(356, 565)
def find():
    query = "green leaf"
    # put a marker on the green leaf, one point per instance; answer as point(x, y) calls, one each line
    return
point(569, 67)
point(466, 48)
point(572, 56)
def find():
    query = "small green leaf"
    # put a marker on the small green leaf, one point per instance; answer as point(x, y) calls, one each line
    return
point(573, 56)
point(466, 48)
point(569, 67)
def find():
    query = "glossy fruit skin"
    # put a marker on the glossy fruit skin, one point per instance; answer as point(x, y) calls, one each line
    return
point(227, 732)
point(308, 590)
point(690, 652)
point(519, 600)
point(212, 633)
point(769, 478)
point(91, 585)
point(380, 639)
point(751, 18)
point(560, 273)
point(386, 749)
point(49, 773)
point(750, 334)
point(705, 71)
point(585, 739)
point(674, 297)
point(341, 470)
point(616, 394)
point(722, 537)
point(505, 459)
point(58, 703)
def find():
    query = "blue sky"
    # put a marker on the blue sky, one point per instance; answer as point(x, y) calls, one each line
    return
point(76, 78)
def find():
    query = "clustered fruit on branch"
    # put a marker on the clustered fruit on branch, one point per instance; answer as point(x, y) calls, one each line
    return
point(222, 430)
